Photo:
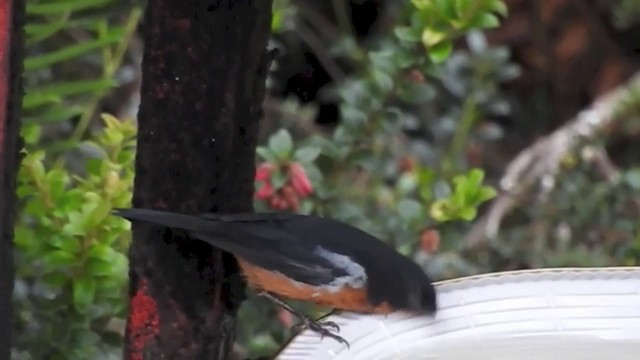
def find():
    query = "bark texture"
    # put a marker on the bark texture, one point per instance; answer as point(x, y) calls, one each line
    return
point(203, 83)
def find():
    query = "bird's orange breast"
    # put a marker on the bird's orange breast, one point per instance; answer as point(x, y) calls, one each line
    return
point(347, 298)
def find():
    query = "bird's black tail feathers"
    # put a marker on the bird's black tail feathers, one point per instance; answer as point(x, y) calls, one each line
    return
point(224, 231)
point(168, 219)
point(198, 223)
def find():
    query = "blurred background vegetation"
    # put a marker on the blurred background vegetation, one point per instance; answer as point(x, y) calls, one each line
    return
point(401, 117)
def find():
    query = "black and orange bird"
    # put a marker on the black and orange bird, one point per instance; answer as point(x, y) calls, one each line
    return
point(309, 258)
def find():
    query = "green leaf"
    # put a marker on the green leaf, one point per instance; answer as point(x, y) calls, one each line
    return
point(59, 7)
point(498, 6)
point(464, 7)
point(23, 237)
point(69, 52)
point(51, 114)
point(440, 53)
point(408, 34)
point(407, 183)
point(36, 208)
point(30, 133)
point(56, 279)
point(314, 173)
point(39, 32)
point(84, 339)
point(75, 225)
point(440, 210)
point(74, 87)
point(426, 180)
point(409, 209)
point(281, 144)
point(101, 252)
point(422, 4)
point(112, 137)
point(278, 179)
point(120, 266)
point(96, 214)
point(485, 21)
point(448, 8)
point(416, 93)
point(37, 169)
point(266, 154)
point(383, 80)
point(353, 115)
point(34, 99)
point(96, 167)
point(430, 37)
point(59, 258)
point(97, 267)
point(467, 195)
point(475, 177)
point(381, 60)
point(467, 213)
point(57, 181)
point(25, 190)
point(84, 290)
point(277, 21)
point(306, 154)
point(126, 158)
point(485, 193)
point(65, 243)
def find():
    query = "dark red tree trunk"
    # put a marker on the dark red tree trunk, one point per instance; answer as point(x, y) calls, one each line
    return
point(11, 52)
point(203, 82)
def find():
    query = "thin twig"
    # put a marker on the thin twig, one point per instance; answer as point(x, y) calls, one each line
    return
point(541, 161)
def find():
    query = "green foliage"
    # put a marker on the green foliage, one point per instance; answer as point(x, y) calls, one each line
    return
point(71, 253)
point(468, 194)
point(436, 23)
point(626, 14)
point(76, 38)
point(583, 221)
point(356, 168)
point(399, 162)
point(280, 149)
point(283, 13)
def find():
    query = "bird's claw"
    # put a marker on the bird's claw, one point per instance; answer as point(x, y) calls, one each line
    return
point(326, 324)
point(321, 328)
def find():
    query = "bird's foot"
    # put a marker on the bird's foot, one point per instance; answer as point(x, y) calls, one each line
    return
point(322, 328)
point(316, 326)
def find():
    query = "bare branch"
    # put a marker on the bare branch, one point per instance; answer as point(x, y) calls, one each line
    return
point(539, 163)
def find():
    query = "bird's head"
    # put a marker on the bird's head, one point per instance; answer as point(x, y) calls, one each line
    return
point(423, 299)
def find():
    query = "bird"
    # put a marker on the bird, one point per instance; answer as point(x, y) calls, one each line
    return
point(309, 258)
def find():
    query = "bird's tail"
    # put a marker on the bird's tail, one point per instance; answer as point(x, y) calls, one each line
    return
point(168, 219)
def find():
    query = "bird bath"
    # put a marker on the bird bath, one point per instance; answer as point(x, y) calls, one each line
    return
point(546, 314)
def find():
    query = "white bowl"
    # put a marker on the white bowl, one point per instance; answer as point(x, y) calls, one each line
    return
point(563, 314)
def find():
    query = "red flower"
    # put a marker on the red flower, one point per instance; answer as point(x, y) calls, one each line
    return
point(263, 175)
point(278, 203)
point(291, 197)
point(300, 180)
point(430, 241)
point(265, 192)
point(263, 171)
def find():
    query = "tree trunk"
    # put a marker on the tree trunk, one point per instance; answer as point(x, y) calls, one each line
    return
point(203, 83)
point(11, 52)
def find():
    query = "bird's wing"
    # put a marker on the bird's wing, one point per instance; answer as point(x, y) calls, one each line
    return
point(272, 249)
point(261, 239)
